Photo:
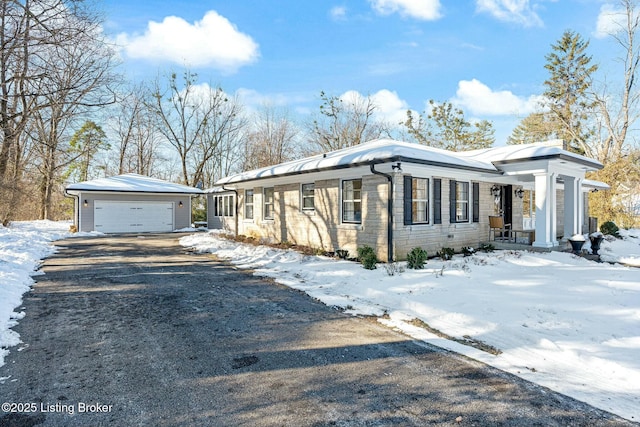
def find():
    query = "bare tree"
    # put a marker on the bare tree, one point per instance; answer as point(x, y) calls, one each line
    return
point(137, 139)
point(619, 111)
point(272, 139)
point(344, 122)
point(197, 121)
point(54, 66)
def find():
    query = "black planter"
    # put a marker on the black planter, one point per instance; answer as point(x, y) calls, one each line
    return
point(595, 243)
point(576, 245)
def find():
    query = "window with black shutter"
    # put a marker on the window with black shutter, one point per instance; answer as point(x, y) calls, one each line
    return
point(437, 201)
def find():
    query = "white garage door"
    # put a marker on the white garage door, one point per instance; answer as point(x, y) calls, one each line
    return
point(131, 217)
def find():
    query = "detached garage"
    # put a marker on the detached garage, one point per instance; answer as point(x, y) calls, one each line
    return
point(131, 203)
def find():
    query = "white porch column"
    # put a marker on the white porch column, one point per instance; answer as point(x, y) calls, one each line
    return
point(573, 206)
point(545, 186)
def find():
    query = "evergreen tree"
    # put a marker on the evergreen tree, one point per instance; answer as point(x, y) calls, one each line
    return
point(533, 128)
point(446, 127)
point(566, 90)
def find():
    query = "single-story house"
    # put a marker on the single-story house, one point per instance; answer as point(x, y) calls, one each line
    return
point(131, 203)
point(394, 196)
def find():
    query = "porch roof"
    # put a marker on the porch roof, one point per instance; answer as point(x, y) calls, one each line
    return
point(547, 150)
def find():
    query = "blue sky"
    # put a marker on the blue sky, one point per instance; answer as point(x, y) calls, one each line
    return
point(485, 56)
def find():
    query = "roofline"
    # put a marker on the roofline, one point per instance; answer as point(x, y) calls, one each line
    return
point(366, 163)
point(68, 190)
point(583, 161)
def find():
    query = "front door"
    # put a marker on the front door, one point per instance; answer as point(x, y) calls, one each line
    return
point(506, 208)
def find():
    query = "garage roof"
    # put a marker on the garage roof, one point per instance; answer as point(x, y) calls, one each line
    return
point(132, 183)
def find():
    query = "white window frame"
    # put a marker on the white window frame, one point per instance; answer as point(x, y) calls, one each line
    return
point(415, 201)
point(466, 202)
point(312, 197)
point(268, 204)
point(248, 204)
point(353, 201)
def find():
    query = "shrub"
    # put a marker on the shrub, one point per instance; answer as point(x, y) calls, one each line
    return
point(367, 257)
point(416, 258)
point(446, 253)
point(487, 247)
point(394, 268)
point(610, 228)
point(468, 251)
point(342, 253)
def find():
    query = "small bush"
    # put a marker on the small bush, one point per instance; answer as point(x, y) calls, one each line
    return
point(610, 228)
point(394, 268)
point(487, 247)
point(446, 253)
point(367, 257)
point(342, 253)
point(416, 258)
point(468, 251)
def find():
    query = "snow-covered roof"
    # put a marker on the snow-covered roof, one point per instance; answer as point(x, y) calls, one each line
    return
point(527, 152)
point(132, 183)
point(376, 151)
point(388, 150)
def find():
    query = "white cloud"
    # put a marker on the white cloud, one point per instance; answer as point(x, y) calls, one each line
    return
point(338, 13)
point(389, 107)
point(427, 10)
point(477, 98)
point(517, 11)
point(610, 21)
point(212, 42)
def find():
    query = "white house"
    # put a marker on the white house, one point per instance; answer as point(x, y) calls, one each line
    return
point(394, 196)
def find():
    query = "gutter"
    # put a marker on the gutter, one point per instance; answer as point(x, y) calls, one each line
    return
point(76, 203)
point(389, 211)
point(235, 219)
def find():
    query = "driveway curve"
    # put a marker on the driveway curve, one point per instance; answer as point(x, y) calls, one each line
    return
point(137, 331)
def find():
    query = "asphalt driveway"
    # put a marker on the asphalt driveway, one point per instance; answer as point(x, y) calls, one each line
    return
point(136, 330)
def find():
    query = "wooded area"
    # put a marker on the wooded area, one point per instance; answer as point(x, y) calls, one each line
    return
point(66, 115)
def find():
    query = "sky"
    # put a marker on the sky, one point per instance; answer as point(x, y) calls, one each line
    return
point(486, 57)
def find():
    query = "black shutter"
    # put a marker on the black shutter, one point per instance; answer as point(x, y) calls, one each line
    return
point(408, 218)
point(452, 201)
point(476, 202)
point(437, 201)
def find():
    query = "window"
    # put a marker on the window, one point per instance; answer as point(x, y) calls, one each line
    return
point(351, 201)
point(458, 201)
point(248, 204)
point(268, 203)
point(228, 206)
point(308, 198)
point(416, 200)
point(462, 201)
point(223, 206)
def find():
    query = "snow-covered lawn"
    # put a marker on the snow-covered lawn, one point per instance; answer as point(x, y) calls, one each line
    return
point(22, 246)
point(558, 320)
point(561, 321)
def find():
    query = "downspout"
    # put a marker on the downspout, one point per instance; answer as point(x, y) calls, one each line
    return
point(235, 219)
point(76, 208)
point(389, 212)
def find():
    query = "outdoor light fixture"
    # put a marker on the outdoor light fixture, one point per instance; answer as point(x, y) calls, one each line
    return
point(519, 192)
point(86, 203)
point(180, 204)
point(396, 167)
point(495, 191)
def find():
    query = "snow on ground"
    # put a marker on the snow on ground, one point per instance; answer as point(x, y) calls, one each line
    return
point(561, 321)
point(22, 246)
